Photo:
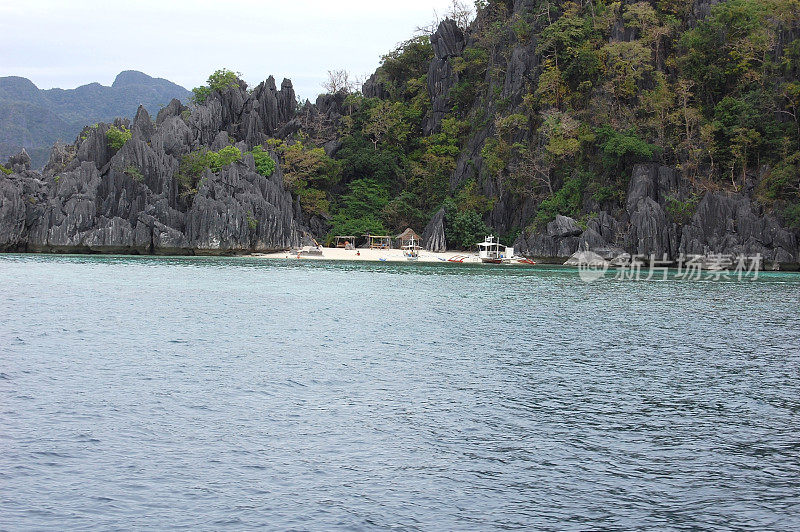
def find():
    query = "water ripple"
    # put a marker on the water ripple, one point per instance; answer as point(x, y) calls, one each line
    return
point(236, 393)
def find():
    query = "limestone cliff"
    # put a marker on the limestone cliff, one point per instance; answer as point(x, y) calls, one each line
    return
point(723, 223)
point(659, 210)
point(556, 125)
point(94, 198)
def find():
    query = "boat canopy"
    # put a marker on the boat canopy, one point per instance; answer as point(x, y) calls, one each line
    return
point(490, 242)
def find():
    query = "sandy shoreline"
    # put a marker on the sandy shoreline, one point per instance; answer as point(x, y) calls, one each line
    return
point(371, 255)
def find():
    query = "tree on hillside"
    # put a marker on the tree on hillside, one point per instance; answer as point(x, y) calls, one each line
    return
point(459, 11)
point(340, 81)
point(462, 13)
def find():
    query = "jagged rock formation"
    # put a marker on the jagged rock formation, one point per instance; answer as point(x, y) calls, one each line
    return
point(319, 121)
point(373, 88)
point(433, 237)
point(559, 240)
point(92, 198)
point(34, 119)
point(447, 42)
point(722, 223)
point(490, 84)
point(20, 162)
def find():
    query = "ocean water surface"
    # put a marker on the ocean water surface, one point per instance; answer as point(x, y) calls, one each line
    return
point(236, 393)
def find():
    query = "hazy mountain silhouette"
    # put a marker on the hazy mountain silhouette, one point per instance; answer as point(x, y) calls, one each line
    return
point(34, 118)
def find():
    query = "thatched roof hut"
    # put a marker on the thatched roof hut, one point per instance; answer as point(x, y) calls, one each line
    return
point(407, 236)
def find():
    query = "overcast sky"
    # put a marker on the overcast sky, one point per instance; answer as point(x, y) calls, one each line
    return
point(66, 43)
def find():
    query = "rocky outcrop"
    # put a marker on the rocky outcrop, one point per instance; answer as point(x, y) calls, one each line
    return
point(240, 210)
point(650, 231)
point(20, 162)
point(60, 157)
point(37, 118)
point(249, 116)
point(13, 213)
point(93, 198)
point(586, 258)
point(330, 105)
point(174, 108)
point(560, 239)
point(730, 224)
point(727, 224)
point(374, 88)
point(447, 42)
point(143, 127)
point(701, 9)
point(434, 237)
point(660, 214)
point(602, 235)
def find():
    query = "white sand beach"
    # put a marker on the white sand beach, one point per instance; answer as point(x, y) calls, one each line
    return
point(372, 255)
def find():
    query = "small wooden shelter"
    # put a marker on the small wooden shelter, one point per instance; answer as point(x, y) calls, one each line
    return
point(345, 241)
point(409, 237)
point(379, 241)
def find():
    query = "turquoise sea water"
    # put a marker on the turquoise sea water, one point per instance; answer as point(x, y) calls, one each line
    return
point(235, 393)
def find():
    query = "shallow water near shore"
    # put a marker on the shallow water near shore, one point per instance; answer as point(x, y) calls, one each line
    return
point(234, 393)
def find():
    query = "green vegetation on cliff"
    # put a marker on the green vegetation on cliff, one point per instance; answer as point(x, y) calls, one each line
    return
point(195, 163)
point(265, 165)
point(218, 81)
point(607, 85)
point(308, 173)
point(117, 137)
point(542, 108)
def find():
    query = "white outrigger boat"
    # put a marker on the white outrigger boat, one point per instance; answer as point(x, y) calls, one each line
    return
point(411, 250)
point(490, 251)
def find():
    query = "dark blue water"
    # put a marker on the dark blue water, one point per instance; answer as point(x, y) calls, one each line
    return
point(232, 394)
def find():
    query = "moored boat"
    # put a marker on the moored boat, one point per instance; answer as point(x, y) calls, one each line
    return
point(490, 251)
point(411, 250)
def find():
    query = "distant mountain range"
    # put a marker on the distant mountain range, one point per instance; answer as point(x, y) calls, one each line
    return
point(34, 118)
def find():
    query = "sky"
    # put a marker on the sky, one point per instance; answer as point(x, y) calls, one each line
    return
point(58, 43)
